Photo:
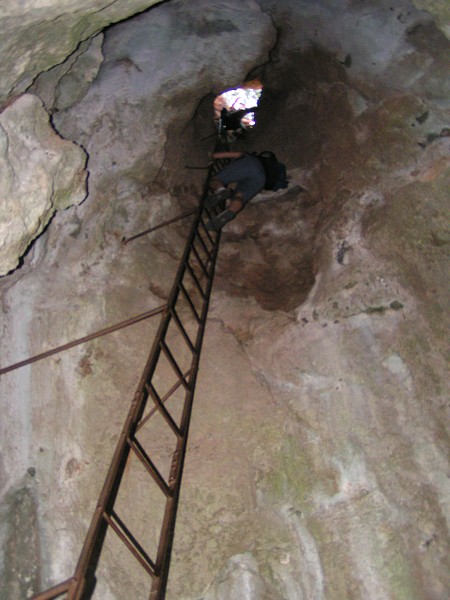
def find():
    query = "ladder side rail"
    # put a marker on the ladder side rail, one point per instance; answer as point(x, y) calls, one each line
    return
point(82, 584)
point(90, 554)
point(159, 583)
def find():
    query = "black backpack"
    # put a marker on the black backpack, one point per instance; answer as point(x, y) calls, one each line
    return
point(275, 171)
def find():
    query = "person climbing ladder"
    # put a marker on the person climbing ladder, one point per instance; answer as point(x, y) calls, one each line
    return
point(250, 173)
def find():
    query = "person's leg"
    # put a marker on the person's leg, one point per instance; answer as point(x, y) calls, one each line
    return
point(248, 173)
point(227, 215)
point(219, 193)
point(237, 203)
point(215, 184)
point(252, 180)
point(229, 174)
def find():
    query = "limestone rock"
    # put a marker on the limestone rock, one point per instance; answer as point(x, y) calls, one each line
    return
point(38, 34)
point(317, 460)
point(67, 83)
point(40, 173)
point(20, 540)
point(239, 580)
point(440, 9)
point(152, 64)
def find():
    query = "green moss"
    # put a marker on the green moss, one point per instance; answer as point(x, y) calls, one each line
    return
point(380, 545)
point(401, 578)
point(375, 310)
point(393, 564)
point(18, 518)
point(293, 477)
point(350, 285)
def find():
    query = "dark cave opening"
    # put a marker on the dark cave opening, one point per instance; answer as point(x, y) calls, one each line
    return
point(303, 112)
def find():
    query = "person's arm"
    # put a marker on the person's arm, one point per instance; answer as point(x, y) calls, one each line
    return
point(227, 154)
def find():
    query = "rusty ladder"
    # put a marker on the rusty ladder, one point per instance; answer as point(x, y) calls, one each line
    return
point(182, 325)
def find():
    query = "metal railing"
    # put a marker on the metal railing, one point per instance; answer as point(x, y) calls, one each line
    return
point(168, 381)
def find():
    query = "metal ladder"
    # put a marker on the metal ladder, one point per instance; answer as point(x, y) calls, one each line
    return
point(168, 381)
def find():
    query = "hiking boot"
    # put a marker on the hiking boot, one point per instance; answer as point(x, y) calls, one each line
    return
point(220, 220)
point(213, 199)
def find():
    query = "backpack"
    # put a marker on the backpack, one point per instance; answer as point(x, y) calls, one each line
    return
point(275, 171)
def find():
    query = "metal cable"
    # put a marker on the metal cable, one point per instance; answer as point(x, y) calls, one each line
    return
point(87, 338)
point(163, 224)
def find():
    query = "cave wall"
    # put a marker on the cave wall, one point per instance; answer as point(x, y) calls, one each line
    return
point(37, 34)
point(352, 383)
point(35, 37)
point(318, 458)
point(62, 289)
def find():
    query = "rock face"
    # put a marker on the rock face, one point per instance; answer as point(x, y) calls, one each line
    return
point(40, 173)
point(317, 465)
point(147, 87)
point(36, 34)
point(439, 10)
point(67, 83)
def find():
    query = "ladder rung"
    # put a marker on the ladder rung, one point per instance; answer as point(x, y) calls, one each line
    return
point(200, 261)
point(196, 281)
point(182, 330)
point(166, 396)
point(206, 230)
point(162, 409)
point(189, 301)
point(149, 465)
point(130, 542)
point(208, 252)
point(164, 347)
